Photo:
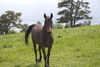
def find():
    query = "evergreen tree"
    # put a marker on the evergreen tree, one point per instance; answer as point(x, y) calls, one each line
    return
point(73, 11)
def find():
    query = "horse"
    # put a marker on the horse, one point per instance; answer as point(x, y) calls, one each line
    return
point(41, 35)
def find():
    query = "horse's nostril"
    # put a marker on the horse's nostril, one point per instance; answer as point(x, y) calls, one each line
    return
point(49, 32)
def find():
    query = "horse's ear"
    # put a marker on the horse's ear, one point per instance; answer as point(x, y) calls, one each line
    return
point(51, 15)
point(44, 15)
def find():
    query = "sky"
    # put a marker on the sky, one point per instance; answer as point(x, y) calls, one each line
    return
point(33, 10)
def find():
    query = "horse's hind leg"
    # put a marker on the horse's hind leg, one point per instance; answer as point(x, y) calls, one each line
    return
point(34, 45)
point(40, 54)
point(48, 55)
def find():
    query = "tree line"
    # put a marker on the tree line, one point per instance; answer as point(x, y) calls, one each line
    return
point(72, 12)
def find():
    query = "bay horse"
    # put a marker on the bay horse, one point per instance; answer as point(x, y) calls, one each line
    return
point(41, 35)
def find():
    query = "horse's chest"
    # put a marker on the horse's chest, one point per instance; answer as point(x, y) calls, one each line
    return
point(47, 42)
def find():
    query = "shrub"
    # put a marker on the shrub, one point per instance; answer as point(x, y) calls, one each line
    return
point(12, 32)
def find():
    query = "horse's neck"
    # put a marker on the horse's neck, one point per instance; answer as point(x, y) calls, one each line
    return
point(45, 37)
point(44, 33)
point(44, 30)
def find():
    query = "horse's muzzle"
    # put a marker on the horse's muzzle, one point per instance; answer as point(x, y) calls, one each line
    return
point(49, 32)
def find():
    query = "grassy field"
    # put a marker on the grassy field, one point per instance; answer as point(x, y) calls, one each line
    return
point(72, 47)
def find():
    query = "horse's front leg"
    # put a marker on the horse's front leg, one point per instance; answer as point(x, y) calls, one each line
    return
point(40, 54)
point(43, 49)
point(48, 55)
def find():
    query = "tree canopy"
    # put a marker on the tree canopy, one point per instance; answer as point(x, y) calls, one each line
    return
point(39, 23)
point(73, 11)
point(23, 27)
point(10, 19)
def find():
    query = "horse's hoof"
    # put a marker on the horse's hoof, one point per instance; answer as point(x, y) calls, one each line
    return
point(47, 65)
point(36, 62)
point(39, 60)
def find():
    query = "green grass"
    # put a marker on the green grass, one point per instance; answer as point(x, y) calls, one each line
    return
point(72, 47)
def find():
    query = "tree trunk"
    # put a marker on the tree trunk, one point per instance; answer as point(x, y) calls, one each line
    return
point(71, 12)
point(74, 23)
point(71, 23)
point(6, 32)
point(77, 8)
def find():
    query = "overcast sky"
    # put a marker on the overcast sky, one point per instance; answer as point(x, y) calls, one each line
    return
point(33, 10)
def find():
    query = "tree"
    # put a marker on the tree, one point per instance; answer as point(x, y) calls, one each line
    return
point(89, 22)
point(57, 26)
point(54, 26)
point(12, 32)
point(73, 11)
point(39, 23)
point(10, 19)
point(86, 23)
point(66, 26)
point(23, 27)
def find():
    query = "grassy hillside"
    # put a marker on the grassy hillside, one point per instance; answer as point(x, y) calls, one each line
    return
point(72, 47)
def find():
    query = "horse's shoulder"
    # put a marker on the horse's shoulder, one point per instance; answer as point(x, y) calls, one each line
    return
point(39, 26)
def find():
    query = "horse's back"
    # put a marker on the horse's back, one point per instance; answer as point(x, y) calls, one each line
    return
point(37, 28)
point(36, 33)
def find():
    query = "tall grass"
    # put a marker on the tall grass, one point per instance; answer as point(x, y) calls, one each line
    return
point(72, 47)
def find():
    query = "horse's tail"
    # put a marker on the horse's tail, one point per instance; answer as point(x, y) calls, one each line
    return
point(27, 32)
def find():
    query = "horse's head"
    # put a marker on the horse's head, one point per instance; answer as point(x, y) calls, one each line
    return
point(48, 23)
